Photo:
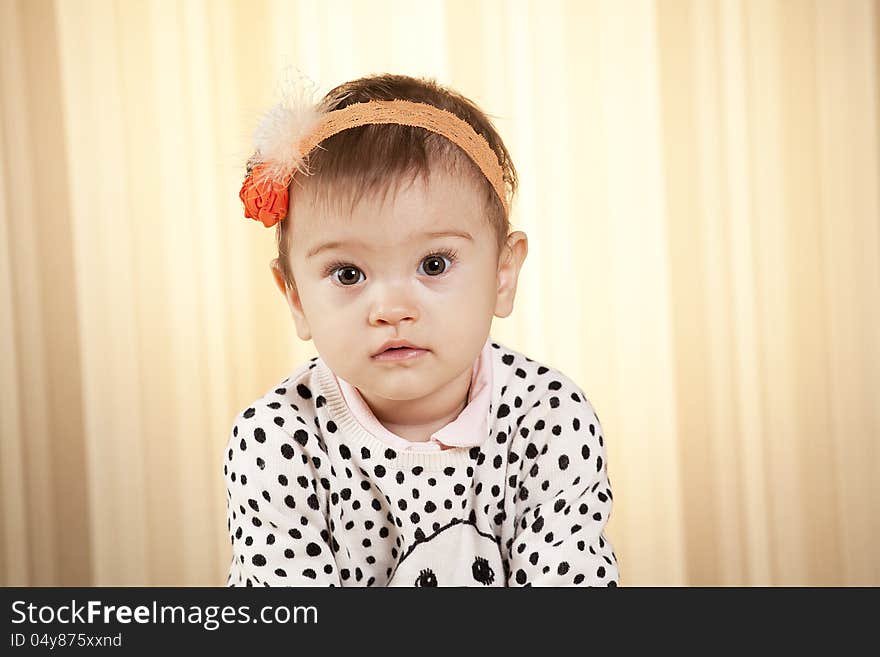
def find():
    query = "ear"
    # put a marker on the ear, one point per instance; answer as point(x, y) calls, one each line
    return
point(291, 295)
point(509, 264)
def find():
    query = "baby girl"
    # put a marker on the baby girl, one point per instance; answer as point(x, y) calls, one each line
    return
point(414, 450)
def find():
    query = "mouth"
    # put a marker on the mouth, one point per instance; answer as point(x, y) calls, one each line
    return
point(399, 353)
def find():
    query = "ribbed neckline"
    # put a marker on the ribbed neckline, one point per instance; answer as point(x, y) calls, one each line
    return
point(352, 429)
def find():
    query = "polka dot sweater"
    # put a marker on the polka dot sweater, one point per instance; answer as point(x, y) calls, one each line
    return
point(313, 499)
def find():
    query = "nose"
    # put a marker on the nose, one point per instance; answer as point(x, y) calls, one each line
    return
point(392, 306)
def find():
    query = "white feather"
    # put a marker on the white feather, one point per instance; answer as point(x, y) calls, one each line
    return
point(283, 127)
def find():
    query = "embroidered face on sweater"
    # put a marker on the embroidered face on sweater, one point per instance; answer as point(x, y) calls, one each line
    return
point(457, 554)
point(420, 264)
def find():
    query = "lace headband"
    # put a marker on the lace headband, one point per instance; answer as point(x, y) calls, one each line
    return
point(288, 133)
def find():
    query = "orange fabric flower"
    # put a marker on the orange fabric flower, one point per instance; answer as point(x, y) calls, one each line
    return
point(263, 200)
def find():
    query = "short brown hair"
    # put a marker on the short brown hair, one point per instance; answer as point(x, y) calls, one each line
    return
point(373, 158)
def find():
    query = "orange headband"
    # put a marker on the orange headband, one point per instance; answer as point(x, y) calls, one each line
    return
point(264, 192)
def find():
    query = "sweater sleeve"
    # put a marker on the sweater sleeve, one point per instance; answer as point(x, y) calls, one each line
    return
point(563, 499)
point(274, 507)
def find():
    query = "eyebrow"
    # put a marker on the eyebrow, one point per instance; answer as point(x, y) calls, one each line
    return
point(430, 234)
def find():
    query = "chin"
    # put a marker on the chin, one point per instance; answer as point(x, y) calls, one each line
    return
point(403, 392)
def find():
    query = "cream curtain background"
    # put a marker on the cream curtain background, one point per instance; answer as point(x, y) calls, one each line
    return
point(700, 185)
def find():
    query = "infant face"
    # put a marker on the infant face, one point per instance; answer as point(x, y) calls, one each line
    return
point(387, 279)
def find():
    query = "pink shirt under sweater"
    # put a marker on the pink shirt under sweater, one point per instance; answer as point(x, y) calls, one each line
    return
point(470, 428)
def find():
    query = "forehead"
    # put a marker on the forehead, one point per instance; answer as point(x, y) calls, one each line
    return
point(408, 210)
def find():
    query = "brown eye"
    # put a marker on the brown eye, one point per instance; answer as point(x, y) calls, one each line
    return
point(434, 265)
point(347, 275)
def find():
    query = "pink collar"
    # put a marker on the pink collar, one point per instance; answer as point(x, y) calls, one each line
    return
point(467, 430)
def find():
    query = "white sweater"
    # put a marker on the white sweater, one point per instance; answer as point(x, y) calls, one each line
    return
point(314, 499)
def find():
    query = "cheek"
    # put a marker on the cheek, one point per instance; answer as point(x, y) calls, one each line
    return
point(470, 299)
point(324, 312)
point(471, 282)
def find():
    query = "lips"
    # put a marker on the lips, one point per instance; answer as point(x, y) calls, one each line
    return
point(397, 345)
point(401, 354)
point(398, 350)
